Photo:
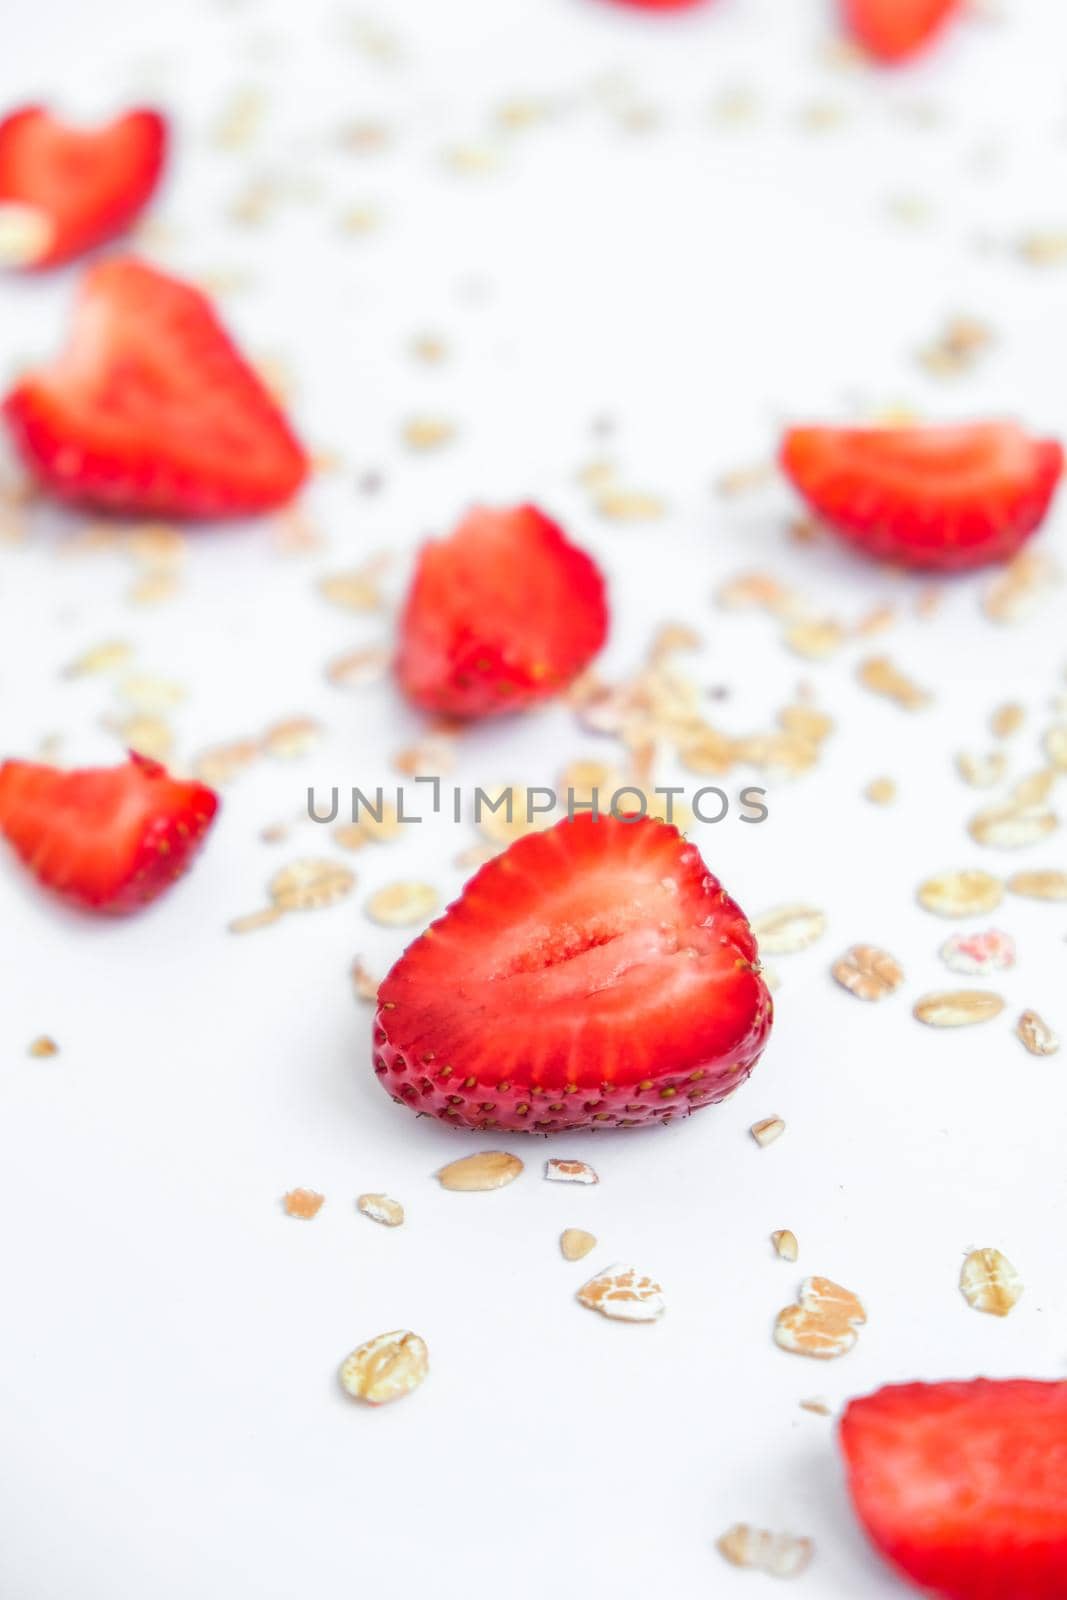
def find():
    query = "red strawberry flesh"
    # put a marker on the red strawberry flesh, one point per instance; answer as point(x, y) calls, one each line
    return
point(503, 613)
point(963, 1486)
point(151, 408)
point(90, 183)
point(941, 498)
point(595, 974)
point(893, 30)
point(110, 839)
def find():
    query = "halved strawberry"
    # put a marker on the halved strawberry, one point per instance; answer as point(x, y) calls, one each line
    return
point(595, 975)
point(504, 612)
point(963, 1486)
point(151, 408)
point(81, 185)
point(892, 30)
point(941, 498)
point(109, 838)
point(659, 5)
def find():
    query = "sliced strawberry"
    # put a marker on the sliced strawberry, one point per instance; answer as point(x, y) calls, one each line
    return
point(942, 498)
point(109, 838)
point(892, 30)
point(595, 975)
point(504, 612)
point(659, 5)
point(151, 408)
point(82, 185)
point(963, 1486)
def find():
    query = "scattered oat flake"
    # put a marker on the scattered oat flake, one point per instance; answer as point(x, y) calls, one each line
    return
point(1007, 719)
point(1054, 744)
point(817, 1406)
point(1018, 590)
point(147, 735)
point(428, 433)
point(42, 1047)
point(968, 893)
point(881, 791)
point(780, 1555)
point(784, 1241)
point(824, 1322)
point(990, 1283)
point(786, 929)
point(310, 885)
point(557, 1171)
point(355, 591)
point(103, 657)
point(629, 505)
point(489, 1169)
point(767, 1131)
point(814, 640)
point(1034, 789)
point(867, 972)
point(359, 668)
point(253, 920)
point(402, 905)
point(225, 762)
point(431, 758)
point(575, 1243)
point(958, 1008)
point(380, 1208)
point(1036, 1034)
point(386, 1367)
point(303, 1203)
point(979, 954)
point(623, 1293)
point(1047, 884)
point(364, 984)
point(881, 677)
point(982, 771)
point(1012, 827)
point(287, 740)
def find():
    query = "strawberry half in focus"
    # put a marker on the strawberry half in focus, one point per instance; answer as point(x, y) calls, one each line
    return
point(893, 30)
point(111, 839)
point(64, 190)
point(151, 409)
point(963, 1486)
point(944, 499)
point(503, 613)
point(594, 975)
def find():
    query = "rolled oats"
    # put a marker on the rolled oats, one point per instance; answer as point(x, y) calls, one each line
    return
point(489, 1169)
point(402, 905)
point(380, 1208)
point(303, 1203)
point(867, 972)
point(990, 1283)
point(785, 1243)
point(1048, 884)
point(623, 1293)
point(386, 1368)
point(789, 928)
point(557, 1171)
point(767, 1131)
point(1036, 1034)
point(958, 1008)
point(968, 893)
point(310, 885)
point(575, 1243)
point(824, 1322)
point(979, 954)
point(779, 1555)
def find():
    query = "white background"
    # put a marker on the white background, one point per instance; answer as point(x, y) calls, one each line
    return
point(172, 1424)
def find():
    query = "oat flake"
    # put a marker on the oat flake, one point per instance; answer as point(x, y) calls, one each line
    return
point(1036, 1034)
point(575, 1243)
point(785, 1244)
point(303, 1203)
point(867, 972)
point(42, 1047)
point(979, 954)
point(981, 771)
point(570, 1172)
point(310, 885)
point(623, 1293)
point(767, 1131)
point(780, 1555)
point(786, 929)
point(958, 1008)
point(1050, 884)
point(380, 1208)
point(489, 1169)
point(961, 894)
point(823, 1323)
point(881, 677)
point(402, 905)
point(1012, 827)
point(386, 1367)
point(990, 1283)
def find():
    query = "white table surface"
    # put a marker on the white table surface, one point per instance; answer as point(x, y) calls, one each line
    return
point(172, 1424)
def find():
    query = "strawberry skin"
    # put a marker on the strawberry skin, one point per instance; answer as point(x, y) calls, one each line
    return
point(151, 409)
point(893, 30)
point(963, 1486)
point(594, 975)
point(90, 183)
point(503, 613)
point(659, 5)
point(111, 839)
point(943, 499)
